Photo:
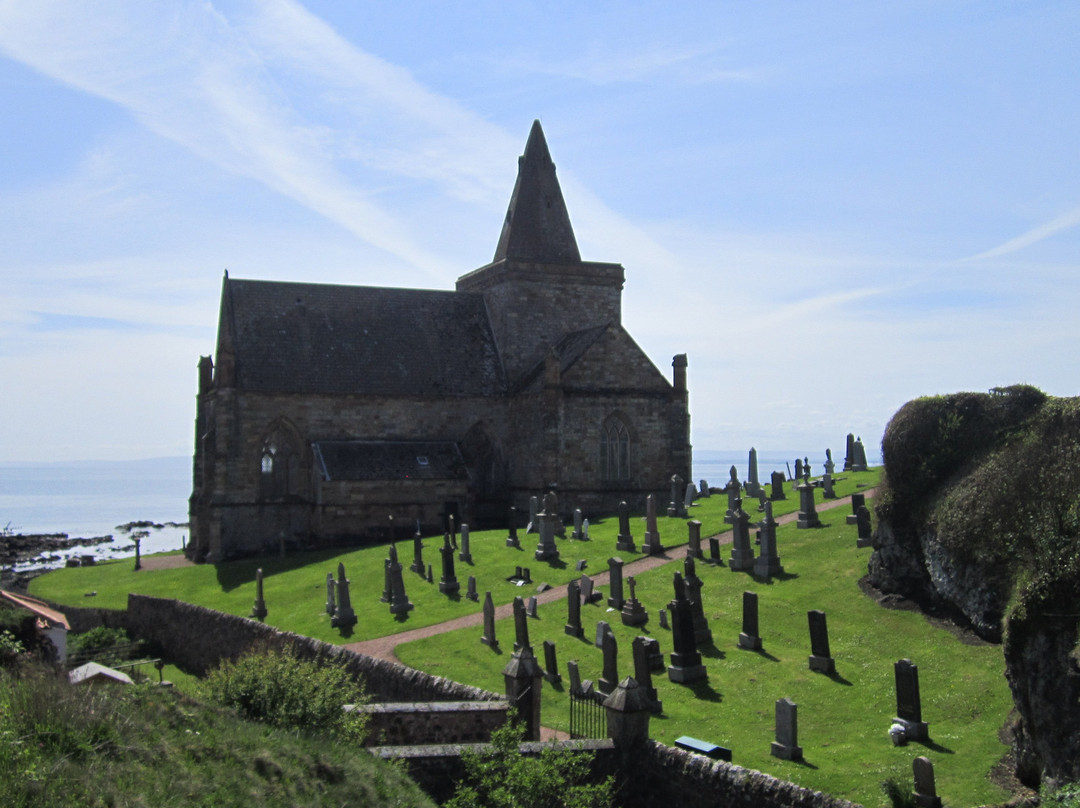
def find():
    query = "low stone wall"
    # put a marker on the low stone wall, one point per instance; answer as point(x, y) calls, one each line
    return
point(198, 639)
point(434, 722)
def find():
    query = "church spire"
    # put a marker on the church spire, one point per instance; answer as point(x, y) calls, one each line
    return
point(537, 226)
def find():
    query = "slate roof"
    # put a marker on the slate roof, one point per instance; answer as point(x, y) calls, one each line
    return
point(319, 338)
point(352, 460)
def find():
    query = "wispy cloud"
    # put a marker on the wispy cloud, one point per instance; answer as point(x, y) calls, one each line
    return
point(1065, 221)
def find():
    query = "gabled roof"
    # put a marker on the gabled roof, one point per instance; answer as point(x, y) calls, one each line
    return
point(537, 226)
point(352, 460)
point(568, 350)
point(319, 338)
point(38, 607)
point(92, 671)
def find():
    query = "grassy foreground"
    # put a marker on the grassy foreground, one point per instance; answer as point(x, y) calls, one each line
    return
point(843, 721)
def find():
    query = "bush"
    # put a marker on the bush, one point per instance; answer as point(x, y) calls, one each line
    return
point(277, 687)
point(96, 640)
point(504, 778)
point(1068, 796)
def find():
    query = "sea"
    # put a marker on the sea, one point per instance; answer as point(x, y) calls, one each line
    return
point(89, 499)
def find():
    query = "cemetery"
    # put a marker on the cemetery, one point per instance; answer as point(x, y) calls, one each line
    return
point(728, 694)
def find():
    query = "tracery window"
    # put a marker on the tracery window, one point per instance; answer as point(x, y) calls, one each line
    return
point(614, 450)
point(277, 468)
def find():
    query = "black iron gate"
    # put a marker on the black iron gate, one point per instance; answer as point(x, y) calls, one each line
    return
point(588, 718)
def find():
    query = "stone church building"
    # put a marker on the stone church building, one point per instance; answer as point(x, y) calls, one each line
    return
point(327, 409)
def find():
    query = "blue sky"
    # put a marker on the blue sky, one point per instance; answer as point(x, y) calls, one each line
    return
point(832, 208)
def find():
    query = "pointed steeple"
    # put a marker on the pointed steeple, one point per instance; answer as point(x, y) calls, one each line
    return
point(537, 226)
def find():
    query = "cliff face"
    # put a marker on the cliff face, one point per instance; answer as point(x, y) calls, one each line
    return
point(979, 513)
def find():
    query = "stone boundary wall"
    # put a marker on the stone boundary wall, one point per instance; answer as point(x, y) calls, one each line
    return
point(197, 639)
point(434, 722)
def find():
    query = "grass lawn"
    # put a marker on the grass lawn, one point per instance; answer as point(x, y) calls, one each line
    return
point(843, 721)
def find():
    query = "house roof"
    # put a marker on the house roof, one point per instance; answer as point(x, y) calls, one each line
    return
point(357, 460)
point(94, 670)
point(38, 607)
point(319, 338)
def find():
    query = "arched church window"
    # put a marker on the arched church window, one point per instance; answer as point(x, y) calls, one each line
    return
point(277, 467)
point(614, 450)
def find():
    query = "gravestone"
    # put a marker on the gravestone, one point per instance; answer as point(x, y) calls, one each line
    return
point(857, 501)
point(786, 746)
point(753, 485)
point(344, 616)
point(925, 788)
point(430, 575)
point(551, 665)
point(643, 671)
point(465, 554)
point(651, 545)
point(417, 565)
point(858, 461)
point(714, 551)
point(581, 564)
point(530, 609)
point(526, 576)
point(385, 596)
point(577, 686)
point(821, 660)
point(798, 471)
point(656, 658)
point(694, 538)
point(768, 563)
point(330, 607)
point(850, 455)
point(633, 613)
point(685, 664)
point(762, 499)
point(664, 618)
point(908, 701)
point(688, 499)
point(610, 676)
point(521, 626)
point(742, 553)
point(703, 489)
point(615, 598)
point(546, 549)
point(448, 583)
point(399, 601)
point(470, 590)
point(675, 505)
point(808, 516)
point(777, 483)
point(588, 590)
point(512, 539)
point(578, 532)
point(865, 532)
point(830, 466)
point(827, 490)
point(534, 524)
point(488, 638)
point(734, 491)
point(602, 628)
point(258, 611)
point(573, 604)
point(585, 530)
point(693, 584)
point(749, 638)
point(625, 541)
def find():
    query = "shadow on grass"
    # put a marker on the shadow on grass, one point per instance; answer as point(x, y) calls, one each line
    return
point(705, 691)
point(806, 764)
point(836, 677)
point(233, 574)
point(929, 743)
point(711, 651)
point(761, 652)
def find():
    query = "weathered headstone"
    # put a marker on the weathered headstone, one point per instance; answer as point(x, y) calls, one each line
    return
point(714, 551)
point(344, 616)
point(858, 499)
point(651, 545)
point(625, 541)
point(685, 664)
point(531, 606)
point(734, 491)
point(430, 575)
point(417, 565)
point(702, 633)
point(786, 746)
point(865, 532)
point(512, 539)
point(489, 623)
point(602, 628)
point(675, 505)
point(688, 499)
point(573, 603)
point(588, 590)
point(830, 466)
point(821, 660)
point(470, 589)
point(808, 516)
point(610, 677)
point(753, 485)
point(581, 565)
point(798, 471)
point(664, 619)
point(585, 530)
point(908, 701)
point(615, 581)
point(399, 601)
point(694, 538)
point(749, 638)
point(465, 554)
point(330, 606)
point(850, 455)
point(633, 613)
point(703, 489)
point(534, 523)
point(827, 490)
point(448, 583)
point(258, 611)
point(643, 671)
point(578, 532)
point(551, 665)
point(742, 552)
point(768, 563)
point(546, 549)
point(521, 625)
point(777, 484)
point(526, 576)
point(858, 461)
point(577, 687)
point(925, 787)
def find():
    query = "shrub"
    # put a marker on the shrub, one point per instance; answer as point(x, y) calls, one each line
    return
point(277, 687)
point(1068, 796)
point(502, 777)
point(97, 639)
